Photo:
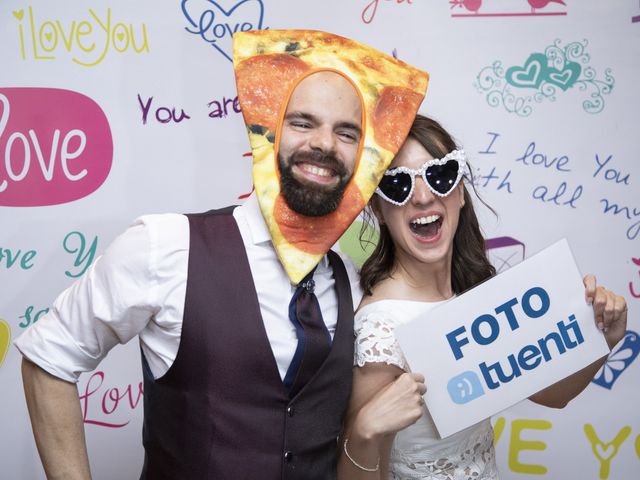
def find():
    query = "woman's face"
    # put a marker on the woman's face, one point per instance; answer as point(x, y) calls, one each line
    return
point(423, 229)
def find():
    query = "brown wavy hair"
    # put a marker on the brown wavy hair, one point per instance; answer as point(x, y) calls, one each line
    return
point(470, 265)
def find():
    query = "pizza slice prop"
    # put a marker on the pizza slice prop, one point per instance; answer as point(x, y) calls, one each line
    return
point(269, 64)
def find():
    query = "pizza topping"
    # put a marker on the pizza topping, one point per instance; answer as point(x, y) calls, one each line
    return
point(391, 111)
point(263, 82)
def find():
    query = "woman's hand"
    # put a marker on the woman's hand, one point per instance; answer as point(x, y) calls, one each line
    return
point(610, 310)
point(393, 408)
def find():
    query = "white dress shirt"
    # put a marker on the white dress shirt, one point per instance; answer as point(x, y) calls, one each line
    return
point(138, 286)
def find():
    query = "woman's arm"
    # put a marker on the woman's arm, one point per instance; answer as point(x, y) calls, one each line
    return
point(610, 311)
point(384, 400)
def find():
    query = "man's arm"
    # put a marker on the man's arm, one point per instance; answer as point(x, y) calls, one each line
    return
point(56, 420)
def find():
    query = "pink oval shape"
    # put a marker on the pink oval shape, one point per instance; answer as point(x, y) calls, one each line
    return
point(55, 146)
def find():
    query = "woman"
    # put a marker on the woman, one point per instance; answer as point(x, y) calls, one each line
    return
point(430, 249)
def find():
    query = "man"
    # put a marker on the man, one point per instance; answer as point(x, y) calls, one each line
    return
point(244, 378)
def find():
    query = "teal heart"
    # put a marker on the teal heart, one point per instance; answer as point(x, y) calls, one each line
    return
point(565, 78)
point(531, 75)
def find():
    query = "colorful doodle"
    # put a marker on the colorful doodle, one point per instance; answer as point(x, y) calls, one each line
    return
point(246, 195)
point(22, 260)
point(626, 212)
point(30, 318)
point(75, 243)
point(504, 252)
point(517, 444)
point(618, 360)
point(99, 402)
point(50, 38)
point(502, 9)
point(162, 114)
point(634, 294)
point(57, 146)
point(605, 452)
point(359, 241)
point(5, 340)
point(370, 10)
point(557, 69)
point(216, 25)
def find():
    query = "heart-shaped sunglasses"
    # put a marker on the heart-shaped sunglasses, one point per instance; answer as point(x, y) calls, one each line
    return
point(441, 176)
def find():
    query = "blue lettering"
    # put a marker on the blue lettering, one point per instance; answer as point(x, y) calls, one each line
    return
point(530, 353)
point(501, 376)
point(567, 336)
point(610, 173)
point(507, 309)
point(455, 343)
point(493, 326)
point(545, 302)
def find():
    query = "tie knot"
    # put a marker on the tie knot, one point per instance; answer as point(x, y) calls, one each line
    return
point(309, 285)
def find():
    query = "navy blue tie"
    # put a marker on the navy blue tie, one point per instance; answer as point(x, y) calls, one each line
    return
point(314, 341)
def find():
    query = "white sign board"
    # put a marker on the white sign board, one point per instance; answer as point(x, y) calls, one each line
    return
point(504, 340)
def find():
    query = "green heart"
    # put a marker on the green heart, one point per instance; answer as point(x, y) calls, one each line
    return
point(565, 78)
point(18, 14)
point(351, 245)
point(48, 36)
point(120, 36)
point(5, 339)
point(531, 75)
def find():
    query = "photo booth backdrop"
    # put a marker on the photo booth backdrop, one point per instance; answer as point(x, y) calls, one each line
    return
point(114, 109)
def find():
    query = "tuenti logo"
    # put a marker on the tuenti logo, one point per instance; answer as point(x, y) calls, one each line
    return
point(55, 146)
point(485, 330)
point(216, 24)
point(465, 387)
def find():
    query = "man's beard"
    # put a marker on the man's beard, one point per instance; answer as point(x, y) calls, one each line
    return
point(312, 200)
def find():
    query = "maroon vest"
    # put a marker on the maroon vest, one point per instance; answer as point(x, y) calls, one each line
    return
point(221, 411)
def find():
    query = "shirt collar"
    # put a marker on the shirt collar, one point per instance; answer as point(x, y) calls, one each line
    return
point(258, 228)
point(255, 220)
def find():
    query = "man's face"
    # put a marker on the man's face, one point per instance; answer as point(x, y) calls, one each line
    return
point(319, 143)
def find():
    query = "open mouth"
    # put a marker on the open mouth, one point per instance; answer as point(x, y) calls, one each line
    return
point(426, 227)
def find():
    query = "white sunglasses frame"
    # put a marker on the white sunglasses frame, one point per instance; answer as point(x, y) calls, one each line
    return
point(457, 155)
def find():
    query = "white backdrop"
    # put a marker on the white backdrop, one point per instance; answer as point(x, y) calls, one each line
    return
point(545, 101)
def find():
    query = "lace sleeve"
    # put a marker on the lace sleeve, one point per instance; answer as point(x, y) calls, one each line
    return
point(376, 342)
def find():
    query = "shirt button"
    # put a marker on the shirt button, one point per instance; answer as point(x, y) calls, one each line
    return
point(290, 411)
point(288, 456)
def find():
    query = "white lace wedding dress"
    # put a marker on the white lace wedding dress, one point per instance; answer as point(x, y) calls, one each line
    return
point(418, 452)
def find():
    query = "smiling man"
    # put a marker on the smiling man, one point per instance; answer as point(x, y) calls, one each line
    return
point(319, 142)
point(244, 315)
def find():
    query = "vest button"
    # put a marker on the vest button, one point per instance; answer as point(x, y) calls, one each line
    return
point(288, 456)
point(290, 411)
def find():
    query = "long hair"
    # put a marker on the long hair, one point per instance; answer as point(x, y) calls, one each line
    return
point(470, 265)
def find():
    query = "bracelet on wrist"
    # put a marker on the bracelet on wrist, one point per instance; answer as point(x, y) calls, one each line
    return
point(365, 469)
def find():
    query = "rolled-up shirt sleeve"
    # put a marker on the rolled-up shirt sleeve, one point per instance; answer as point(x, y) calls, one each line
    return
point(112, 302)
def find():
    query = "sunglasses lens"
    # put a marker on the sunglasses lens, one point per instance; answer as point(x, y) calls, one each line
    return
point(396, 187)
point(442, 178)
